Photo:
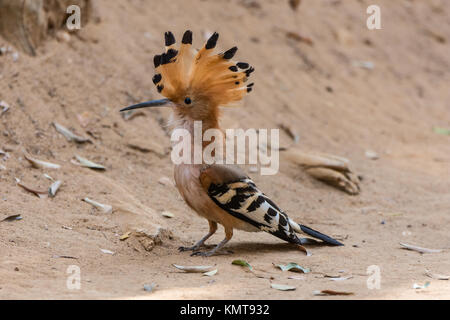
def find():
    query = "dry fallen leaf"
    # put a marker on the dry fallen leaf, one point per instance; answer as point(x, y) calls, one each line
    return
point(64, 257)
point(292, 266)
point(103, 207)
point(302, 248)
point(282, 287)
point(46, 176)
point(420, 286)
point(40, 193)
point(242, 263)
point(70, 136)
point(419, 249)
point(106, 251)
point(210, 273)
point(88, 164)
point(167, 214)
point(41, 164)
point(54, 188)
point(4, 106)
point(125, 236)
point(369, 65)
point(442, 131)
point(193, 269)
point(334, 278)
point(297, 277)
point(14, 217)
point(332, 293)
point(436, 276)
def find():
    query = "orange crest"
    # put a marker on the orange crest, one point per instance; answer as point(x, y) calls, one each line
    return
point(203, 75)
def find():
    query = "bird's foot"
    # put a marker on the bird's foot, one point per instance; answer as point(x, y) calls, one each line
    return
point(203, 253)
point(213, 251)
point(193, 248)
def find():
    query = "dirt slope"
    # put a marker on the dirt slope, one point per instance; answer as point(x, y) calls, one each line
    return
point(390, 109)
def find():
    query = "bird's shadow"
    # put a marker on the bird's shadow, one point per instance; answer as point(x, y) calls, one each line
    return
point(252, 247)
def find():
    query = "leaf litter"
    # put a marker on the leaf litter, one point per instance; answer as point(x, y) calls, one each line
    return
point(64, 257)
point(292, 266)
point(125, 236)
point(83, 162)
point(13, 217)
point(334, 278)
point(332, 293)
point(167, 214)
point(54, 188)
point(69, 135)
point(419, 249)
point(242, 263)
point(420, 286)
point(282, 287)
point(210, 273)
point(106, 251)
point(193, 269)
point(40, 193)
point(39, 164)
point(442, 131)
point(105, 208)
point(302, 248)
point(436, 275)
point(4, 107)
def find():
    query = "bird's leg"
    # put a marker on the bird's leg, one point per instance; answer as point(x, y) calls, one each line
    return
point(228, 236)
point(212, 230)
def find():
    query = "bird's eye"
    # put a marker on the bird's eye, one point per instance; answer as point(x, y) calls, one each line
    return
point(187, 100)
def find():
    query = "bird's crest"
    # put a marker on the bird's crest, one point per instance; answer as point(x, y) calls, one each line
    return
point(212, 78)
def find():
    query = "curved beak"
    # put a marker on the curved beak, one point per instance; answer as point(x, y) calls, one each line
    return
point(148, 104)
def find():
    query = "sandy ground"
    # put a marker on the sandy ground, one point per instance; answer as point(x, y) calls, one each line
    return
point(390, 109)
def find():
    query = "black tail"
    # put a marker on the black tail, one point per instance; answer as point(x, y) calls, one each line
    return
point(320, 236)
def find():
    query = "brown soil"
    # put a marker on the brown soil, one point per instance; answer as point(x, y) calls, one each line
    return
point(390, 109)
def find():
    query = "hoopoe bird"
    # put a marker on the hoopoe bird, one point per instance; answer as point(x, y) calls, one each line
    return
point(196, 84)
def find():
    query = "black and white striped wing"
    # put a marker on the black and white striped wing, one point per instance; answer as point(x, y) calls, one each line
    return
point(243, 200)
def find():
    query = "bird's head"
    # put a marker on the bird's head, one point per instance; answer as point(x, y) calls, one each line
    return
point(195, 83)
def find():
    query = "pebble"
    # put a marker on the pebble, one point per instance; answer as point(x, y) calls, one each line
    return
point(165, 181)
point(149, 287)
point(63, 36)
point(372, 155)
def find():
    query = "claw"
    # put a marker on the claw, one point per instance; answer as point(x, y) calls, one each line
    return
point(183, 249)
point(193, 248)
point(202, 253)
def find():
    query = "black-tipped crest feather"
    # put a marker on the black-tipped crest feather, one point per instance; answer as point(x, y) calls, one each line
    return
point(169, 38)
point(212, 41)
point(187, 37)
point(157, 78)
point(230, 53)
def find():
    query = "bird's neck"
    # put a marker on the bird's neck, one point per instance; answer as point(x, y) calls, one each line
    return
point(199, 135)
